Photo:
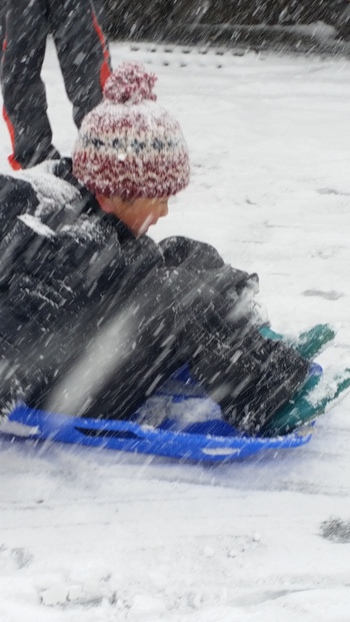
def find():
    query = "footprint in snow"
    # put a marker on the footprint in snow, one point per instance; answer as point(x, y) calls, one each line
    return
point(16, 558)
point(336, 530)
point(333, 191)
point(332, 295)
point(88, 594)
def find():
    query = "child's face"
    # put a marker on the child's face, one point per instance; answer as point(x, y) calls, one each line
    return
point(137, 214)
point(141, 213)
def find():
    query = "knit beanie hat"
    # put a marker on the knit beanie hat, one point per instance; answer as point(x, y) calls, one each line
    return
point(128, 146)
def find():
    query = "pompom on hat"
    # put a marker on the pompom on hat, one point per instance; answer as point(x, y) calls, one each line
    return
point(128, 146)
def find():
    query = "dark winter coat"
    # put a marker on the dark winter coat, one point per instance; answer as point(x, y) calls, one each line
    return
point(86, 304)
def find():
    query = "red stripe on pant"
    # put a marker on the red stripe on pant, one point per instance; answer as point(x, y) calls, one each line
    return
point(105, 70)
point(12, 160)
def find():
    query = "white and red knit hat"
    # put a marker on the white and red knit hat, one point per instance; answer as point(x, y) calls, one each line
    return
point(128, 146)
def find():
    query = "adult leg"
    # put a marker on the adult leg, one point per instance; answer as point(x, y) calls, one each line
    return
point(82, 51)
point(3, 9)
point(101, 14)
point(25, 105)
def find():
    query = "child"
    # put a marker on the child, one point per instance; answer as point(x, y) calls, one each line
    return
point(94, 315)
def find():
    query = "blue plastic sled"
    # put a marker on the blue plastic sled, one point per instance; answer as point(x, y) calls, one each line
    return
point(211, 441)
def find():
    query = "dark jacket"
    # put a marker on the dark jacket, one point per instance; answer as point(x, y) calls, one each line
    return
point(68, 274)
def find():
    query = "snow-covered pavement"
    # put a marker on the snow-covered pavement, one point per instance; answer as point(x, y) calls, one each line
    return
point(98, 536)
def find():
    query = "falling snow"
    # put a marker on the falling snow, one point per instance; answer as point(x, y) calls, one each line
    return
point(102, 536)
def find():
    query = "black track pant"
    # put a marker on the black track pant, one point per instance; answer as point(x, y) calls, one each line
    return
point(2, 26)
point(84, 60)
point(176, 318)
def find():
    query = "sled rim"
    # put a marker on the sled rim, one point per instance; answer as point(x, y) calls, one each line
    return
point(130, 436)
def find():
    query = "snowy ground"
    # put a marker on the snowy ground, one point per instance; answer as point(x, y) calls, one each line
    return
point(89, 535)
